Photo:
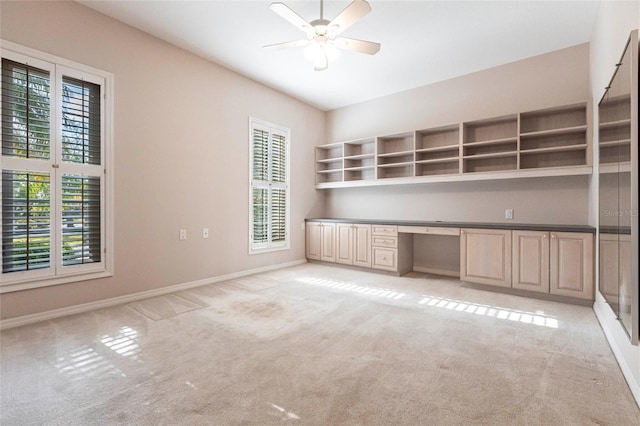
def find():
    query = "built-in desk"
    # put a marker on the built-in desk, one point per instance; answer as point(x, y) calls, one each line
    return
point(540, 258)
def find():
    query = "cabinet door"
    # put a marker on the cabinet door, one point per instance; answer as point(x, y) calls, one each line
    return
point(571, 264)
point(313, 240)
point(385, 258)
point(531, 261)
point(485, 256)
point(328, 245)
point(362, 245)
point(344, 243)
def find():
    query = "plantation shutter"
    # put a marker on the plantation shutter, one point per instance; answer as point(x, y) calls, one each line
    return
point(26, 195)
point(25, 111)
point(278, 187)
point(53, 176)
point(26, 221)
point(81, 193)
point(269, 187)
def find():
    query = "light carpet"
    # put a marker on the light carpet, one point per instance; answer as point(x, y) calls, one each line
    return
point(317, 345)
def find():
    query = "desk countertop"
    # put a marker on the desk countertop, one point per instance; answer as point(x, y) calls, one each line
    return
point(483, 225)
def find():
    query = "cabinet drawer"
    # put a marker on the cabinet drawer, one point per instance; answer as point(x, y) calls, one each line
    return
point(432, 230)
point(384, 230)
point(390, 242)
point(385, 258)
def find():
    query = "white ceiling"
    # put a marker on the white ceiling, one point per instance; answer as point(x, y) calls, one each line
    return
point(423, 42)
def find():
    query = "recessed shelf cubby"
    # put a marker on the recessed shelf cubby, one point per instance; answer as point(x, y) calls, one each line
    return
point(396, 154)
point(490, 145)
point(548, 142)
point(555, 137)
point(615, 132)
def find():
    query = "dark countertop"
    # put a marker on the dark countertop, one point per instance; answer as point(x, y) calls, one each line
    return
point(615, 230)
point(485, 225)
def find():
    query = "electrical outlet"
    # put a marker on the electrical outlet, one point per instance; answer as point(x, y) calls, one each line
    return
point(183, 234)
point(508, 214)
point(205, 232)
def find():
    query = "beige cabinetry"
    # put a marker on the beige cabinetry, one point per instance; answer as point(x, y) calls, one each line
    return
point(485, 256)
point(531, 261)
point(353, 246)
point(391, 251)
point(549, 262)
point(314, 240)
point(321, 241)
point(571, 264)
point(559, 263)
point(328, 242)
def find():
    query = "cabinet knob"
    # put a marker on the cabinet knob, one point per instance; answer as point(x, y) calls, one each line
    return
point(462, 232)
point(544, 235)
point(553, 235)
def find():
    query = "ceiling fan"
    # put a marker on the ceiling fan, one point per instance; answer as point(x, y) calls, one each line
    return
point(322, 43)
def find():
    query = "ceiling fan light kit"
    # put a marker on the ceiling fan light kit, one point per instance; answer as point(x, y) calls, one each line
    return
point(322, 43)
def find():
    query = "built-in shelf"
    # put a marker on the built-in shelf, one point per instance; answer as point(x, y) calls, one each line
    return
point(614, 134)
point(550, 142)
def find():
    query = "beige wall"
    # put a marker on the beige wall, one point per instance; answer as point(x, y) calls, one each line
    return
point(553, 79)
point(181, 155)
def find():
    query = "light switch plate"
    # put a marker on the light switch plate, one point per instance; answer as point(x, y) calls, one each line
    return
point(205, 232)
point(508, 214)
point(183, 234)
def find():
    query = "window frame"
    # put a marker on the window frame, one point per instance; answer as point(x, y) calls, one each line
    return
point(270, 246)
point(56, 273)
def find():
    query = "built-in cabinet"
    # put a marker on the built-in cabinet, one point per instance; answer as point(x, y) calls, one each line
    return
point(559, 263)
point(353, 246)
point(369, 246)
point(548, 142)
point(321, 241)
point(391, 251)
point(530, 257)
point(485, 256)
point(541, 261)
point(571, 265)
point(313, 242)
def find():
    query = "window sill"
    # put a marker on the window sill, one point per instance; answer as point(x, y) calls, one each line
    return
point(9, 287)
point(267, 250)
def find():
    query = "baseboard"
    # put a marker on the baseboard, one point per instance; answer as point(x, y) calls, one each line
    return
point(121, 300)
point(606, 317)
point(437, 271)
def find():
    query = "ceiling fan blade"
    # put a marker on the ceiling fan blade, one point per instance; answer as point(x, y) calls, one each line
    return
point(356, 10)
point(361, 46)
point(287, 45)
point(285, 12)
point(321, 62)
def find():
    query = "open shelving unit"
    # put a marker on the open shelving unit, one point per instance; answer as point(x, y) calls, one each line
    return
point(359, 160)
point(437, 151)
point(615, 134)
point(396, 156)
point(549, 142)
point(490, 145)
point(329, 163)
point(554, 137)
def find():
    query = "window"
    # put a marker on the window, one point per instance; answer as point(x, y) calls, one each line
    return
point(55, 191)
point(269, 187)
